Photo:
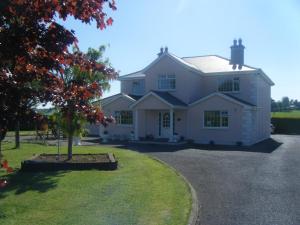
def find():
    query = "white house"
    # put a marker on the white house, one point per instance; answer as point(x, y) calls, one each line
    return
point(202, 98)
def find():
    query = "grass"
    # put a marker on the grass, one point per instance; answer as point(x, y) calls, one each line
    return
point(290, 114)
point(142, 191)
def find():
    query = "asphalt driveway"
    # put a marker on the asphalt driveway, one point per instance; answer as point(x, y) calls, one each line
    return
point(258, 185)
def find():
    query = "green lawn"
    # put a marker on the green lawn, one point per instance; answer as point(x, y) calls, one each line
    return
point(141, 191)
point(290, 114)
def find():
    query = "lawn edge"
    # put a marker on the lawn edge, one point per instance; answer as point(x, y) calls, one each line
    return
point(194, 213)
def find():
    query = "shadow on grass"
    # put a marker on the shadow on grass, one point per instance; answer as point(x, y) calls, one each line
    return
point(266, 146)
point(21, 182)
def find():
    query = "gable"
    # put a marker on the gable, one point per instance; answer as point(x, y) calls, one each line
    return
point(169, 63)
point(151, 102)
point(221, 99)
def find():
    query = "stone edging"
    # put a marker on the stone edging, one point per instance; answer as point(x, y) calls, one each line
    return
point(193, 219)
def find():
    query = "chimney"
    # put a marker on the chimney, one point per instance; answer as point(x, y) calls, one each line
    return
point(166, 49)
point(237, 54)
point(161, 52)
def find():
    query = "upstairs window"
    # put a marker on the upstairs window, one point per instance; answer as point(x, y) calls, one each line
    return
point(230, 85)
point(166, 82)
point(124, 117)
point(215, 119)
point(138, 87)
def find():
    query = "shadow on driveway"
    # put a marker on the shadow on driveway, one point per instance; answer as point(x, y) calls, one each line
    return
point(266, 146)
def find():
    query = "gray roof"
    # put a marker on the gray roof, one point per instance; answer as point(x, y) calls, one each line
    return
point(135, 75)
point(239, 100)
point(206, 64)
point(109, 99)
point(214, 64)
point(169, 98)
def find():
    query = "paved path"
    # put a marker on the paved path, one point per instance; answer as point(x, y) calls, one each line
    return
point(258, 186)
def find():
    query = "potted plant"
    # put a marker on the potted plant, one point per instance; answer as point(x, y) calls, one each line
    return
point(176, 137)
point(105, 136)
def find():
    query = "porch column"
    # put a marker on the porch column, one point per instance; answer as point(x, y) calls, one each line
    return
point(136, 135)
point(171, 139)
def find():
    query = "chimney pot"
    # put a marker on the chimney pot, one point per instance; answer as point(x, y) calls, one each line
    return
point(240, 41)
point(166, 49)
point(234, 42)
point(161, 52)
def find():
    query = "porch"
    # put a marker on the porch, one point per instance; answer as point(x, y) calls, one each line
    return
point(159, 117)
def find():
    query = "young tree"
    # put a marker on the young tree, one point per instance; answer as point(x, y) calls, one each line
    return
point(34, 47)
point(80, 86)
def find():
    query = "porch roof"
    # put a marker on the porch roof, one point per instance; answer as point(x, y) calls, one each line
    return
point(165, 97)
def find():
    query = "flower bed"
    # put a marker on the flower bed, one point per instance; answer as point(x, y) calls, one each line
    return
point(53, 162)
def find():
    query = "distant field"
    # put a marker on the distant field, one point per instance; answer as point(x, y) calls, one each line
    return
point(22, 133)
point(291, 114)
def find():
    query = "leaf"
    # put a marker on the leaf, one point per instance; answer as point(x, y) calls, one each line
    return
point(110, 21)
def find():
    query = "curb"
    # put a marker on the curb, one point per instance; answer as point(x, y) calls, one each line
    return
point(193, 218)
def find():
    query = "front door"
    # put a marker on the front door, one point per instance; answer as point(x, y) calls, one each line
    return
point(164, 124)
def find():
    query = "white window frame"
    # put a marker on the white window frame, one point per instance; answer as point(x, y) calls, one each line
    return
point(233, 82)
point(221, 118)
point(165, 82)
point(120, 120)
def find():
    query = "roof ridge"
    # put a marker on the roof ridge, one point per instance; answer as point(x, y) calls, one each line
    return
point(197, 56)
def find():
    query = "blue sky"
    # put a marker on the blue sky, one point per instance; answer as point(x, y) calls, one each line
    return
point(270, 30)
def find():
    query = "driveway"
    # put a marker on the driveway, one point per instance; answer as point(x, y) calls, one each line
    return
point(258, 185)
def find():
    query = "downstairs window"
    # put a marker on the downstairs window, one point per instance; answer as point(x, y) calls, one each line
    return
point(215, 118)
point(124, 117)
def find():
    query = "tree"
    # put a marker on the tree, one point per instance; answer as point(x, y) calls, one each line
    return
point(34, 47)
point(285, 103)
point(80, 87)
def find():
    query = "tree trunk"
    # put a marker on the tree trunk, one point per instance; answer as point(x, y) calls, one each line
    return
point(70, 143)
point(70, 132)
point(17, 134)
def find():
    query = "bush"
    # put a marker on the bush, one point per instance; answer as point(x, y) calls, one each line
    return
point(286, 125)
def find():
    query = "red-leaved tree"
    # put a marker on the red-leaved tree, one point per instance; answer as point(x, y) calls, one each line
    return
point(34, 48)
point(82, 83)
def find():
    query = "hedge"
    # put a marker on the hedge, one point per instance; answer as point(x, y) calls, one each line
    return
point(286, 125)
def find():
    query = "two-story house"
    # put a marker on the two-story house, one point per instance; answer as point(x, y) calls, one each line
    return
point(207, 99)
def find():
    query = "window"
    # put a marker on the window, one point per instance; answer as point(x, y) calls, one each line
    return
point(138, 87)
point(124, 117)
point(166, 82)
point(166, 120)
point(230, 85)
point(215, 118)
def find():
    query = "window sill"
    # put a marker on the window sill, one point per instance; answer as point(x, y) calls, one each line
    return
point(124, 125)
point(234, 92)
point(166, 89)
point(216, 128)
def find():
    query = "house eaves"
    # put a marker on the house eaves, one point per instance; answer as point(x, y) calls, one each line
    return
point(165, 97)
point(107, 101)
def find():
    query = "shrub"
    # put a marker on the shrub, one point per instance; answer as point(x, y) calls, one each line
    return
point(286, 125)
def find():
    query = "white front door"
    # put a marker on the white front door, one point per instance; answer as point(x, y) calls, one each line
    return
point(164, 122)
